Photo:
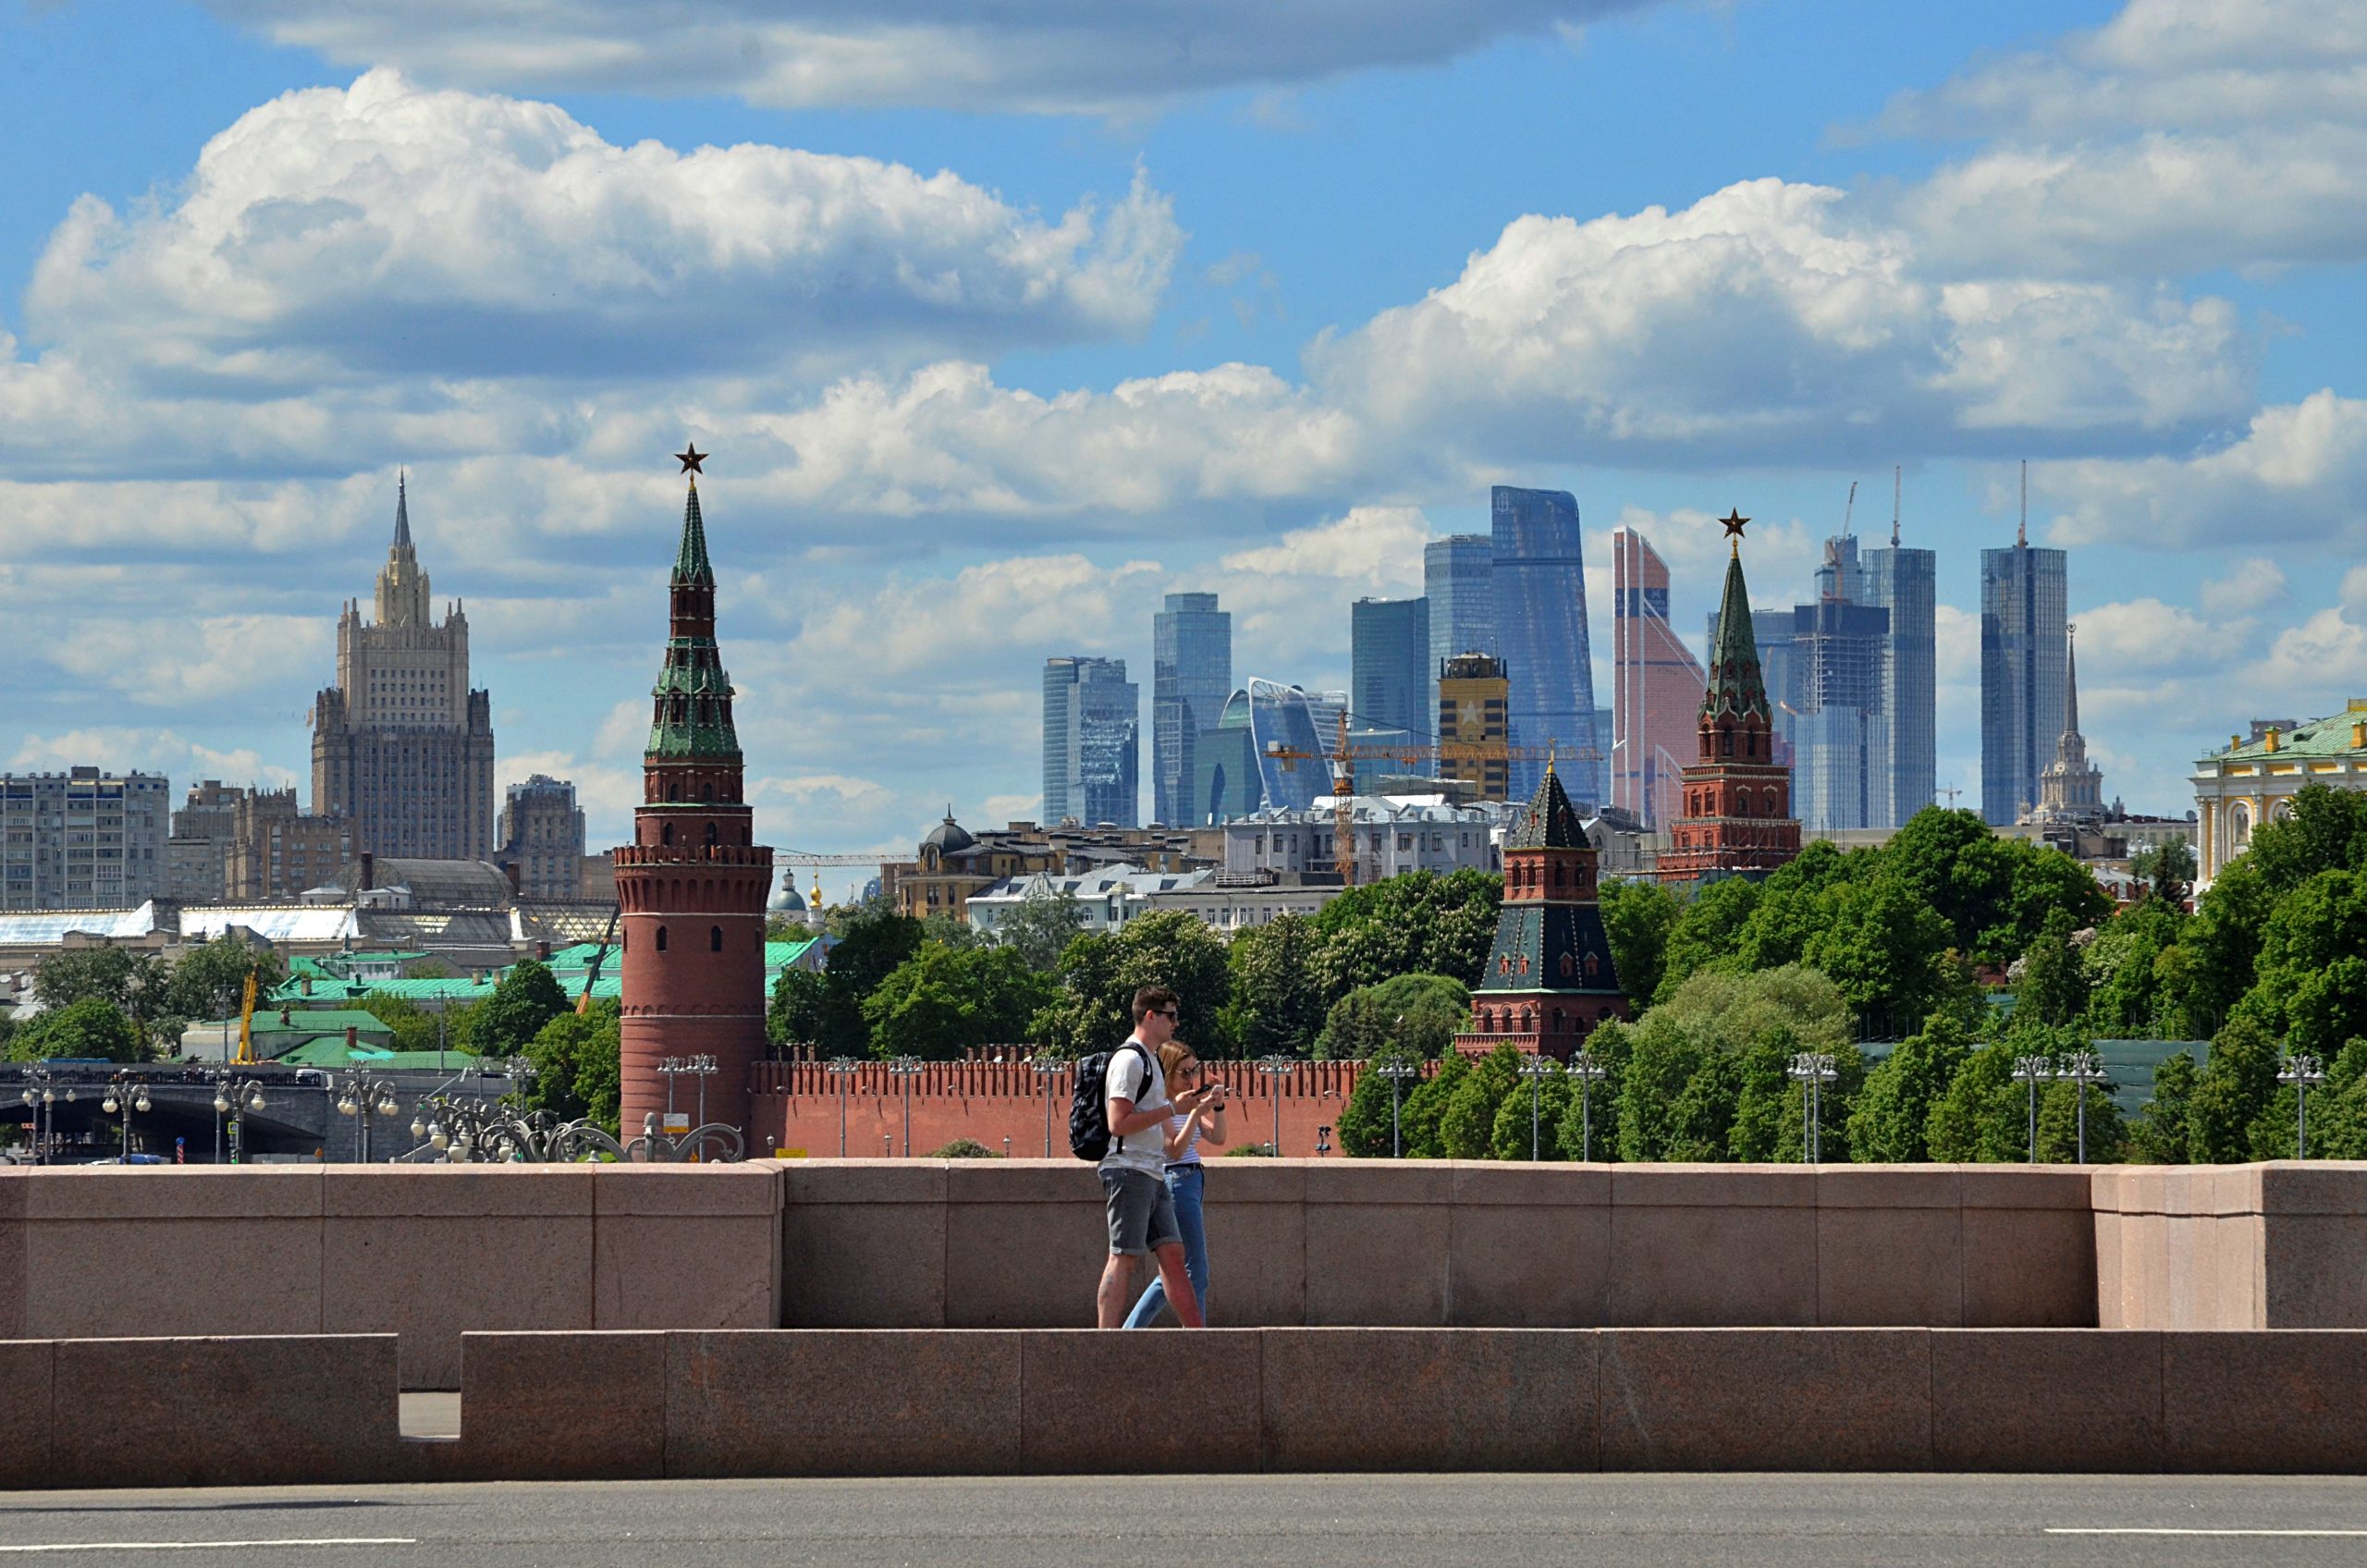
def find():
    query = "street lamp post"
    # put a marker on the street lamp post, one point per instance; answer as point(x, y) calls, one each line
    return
point(2084, 1068)
point(2034, 1070)
point(842, 1067)
point(701, 1068)
point(1588, 1072)
point(1536, 1068)
point(1048, 1069)
point(907, 1068)
point(124, 1092)
point(358, 1097)
point(1397, 1070)
point(2305, 1072)
point(1272, 1067)
point(669, 1067)
point(1812, 1071)
point(41, 1093)
point(232, 1093)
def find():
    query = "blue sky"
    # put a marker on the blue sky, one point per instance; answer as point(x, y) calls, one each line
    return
point(999, 332)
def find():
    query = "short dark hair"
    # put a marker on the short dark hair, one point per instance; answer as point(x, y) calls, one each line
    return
point(1152, 999)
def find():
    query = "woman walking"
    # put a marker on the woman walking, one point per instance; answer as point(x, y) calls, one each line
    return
point(1185, 1133)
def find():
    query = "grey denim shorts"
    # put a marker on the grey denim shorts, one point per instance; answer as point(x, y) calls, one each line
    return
point(1142, 1212)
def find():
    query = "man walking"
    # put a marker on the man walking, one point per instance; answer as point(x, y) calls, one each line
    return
point(1134, 1173)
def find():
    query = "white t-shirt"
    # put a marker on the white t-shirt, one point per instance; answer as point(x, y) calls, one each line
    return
point(1130, 1079)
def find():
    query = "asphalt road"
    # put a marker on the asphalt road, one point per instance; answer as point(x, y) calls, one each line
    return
point(1305, 1522)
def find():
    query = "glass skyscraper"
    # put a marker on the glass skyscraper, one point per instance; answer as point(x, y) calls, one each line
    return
point(1901, 583)
point(1276, 714)
point(1191, 677)
point(1457, 579)
point(1841, 757)
point(1092, 742)
point(1657, 685)
point(1537, 575)
point(2022, 652)
point(1390, 673)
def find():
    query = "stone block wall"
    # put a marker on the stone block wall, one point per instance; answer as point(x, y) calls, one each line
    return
point(989, 1245)
point(2275, 1245)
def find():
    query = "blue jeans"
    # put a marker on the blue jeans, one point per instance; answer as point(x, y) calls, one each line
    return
point(1184, 1182)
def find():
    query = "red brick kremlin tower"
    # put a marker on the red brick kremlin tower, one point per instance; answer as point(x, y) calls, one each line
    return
point(1548, 979)
point(692, 885)
point(1737, 819)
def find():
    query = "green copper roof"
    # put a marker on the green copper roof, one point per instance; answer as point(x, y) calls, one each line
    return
point(1550, 822)
point(2328, 737)
point(1735, 684)
point(691, 718)
point(691, 564)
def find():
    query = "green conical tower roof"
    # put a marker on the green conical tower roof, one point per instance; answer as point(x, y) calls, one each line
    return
point(691, 564)
point(691, 719)
point(1736, 685)
point(1550, 822)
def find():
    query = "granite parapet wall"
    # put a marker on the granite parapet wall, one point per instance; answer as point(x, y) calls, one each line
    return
point(2276, 1245)
point(633, 1404)
point(994, 1243)
point(420, 1253)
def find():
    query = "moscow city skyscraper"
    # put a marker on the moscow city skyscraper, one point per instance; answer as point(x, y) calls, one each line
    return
point(1390, 673)
point(1458, 580)
point(1656, 686)
point(1901, 583)
point(1092, 742)
point(1841, 761)
point(2023, 649)
point(1538, 576)
point(1191, 678)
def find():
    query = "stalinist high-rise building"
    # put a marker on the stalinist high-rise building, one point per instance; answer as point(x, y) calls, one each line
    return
point(401, 748)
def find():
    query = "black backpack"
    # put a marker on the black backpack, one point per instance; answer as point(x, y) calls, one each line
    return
point(1089, 1106)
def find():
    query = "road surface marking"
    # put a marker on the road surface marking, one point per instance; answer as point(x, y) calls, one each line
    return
point(2163, 1530)
point(215, 1546)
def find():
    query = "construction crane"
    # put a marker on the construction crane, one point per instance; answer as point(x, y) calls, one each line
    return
point(599, 955)
point(247, 1023)
point(1344, 836)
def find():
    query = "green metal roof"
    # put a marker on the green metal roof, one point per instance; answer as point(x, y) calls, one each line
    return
point(2328, 737)
point(567, 966)
point(1735, 684)
point(333, 1053)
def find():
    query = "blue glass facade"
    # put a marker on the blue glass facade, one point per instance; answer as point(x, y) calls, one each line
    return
point(1092, 742)
point(1458, 574)
point(1901, 583)
point(1191, 678)
point(1276, 714)
point(1538, 576)
point(2023, 646)
point(1390, 674)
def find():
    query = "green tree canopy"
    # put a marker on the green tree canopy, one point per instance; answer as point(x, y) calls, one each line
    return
point(210, 979)
point(414, 1027)
point(2313, 964)
point(90, 1028)
point(1888, 1123)
point(1417, 923)
point(1707, 935)
point(1417, 1014)
point(2164, 1134)
point(576, 1062)
point(1364, 1120)
point(2054, 986)
point(1277, 997)
point(2166, 870)
point(1639, 917)
point(1468, 1120)
point(1100, 972)
point(526, 999)
point(945, 1001)
point(797, 1011)
point(1047, 920)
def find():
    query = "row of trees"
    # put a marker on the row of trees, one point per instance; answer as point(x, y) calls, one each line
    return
point(112, 1004)
point(1383, 965)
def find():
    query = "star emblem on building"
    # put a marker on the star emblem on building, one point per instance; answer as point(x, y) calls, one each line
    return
point(689, 457)
point(1733, 521)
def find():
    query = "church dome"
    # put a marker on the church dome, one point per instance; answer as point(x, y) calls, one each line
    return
point(788, 901)
point(948, 837)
